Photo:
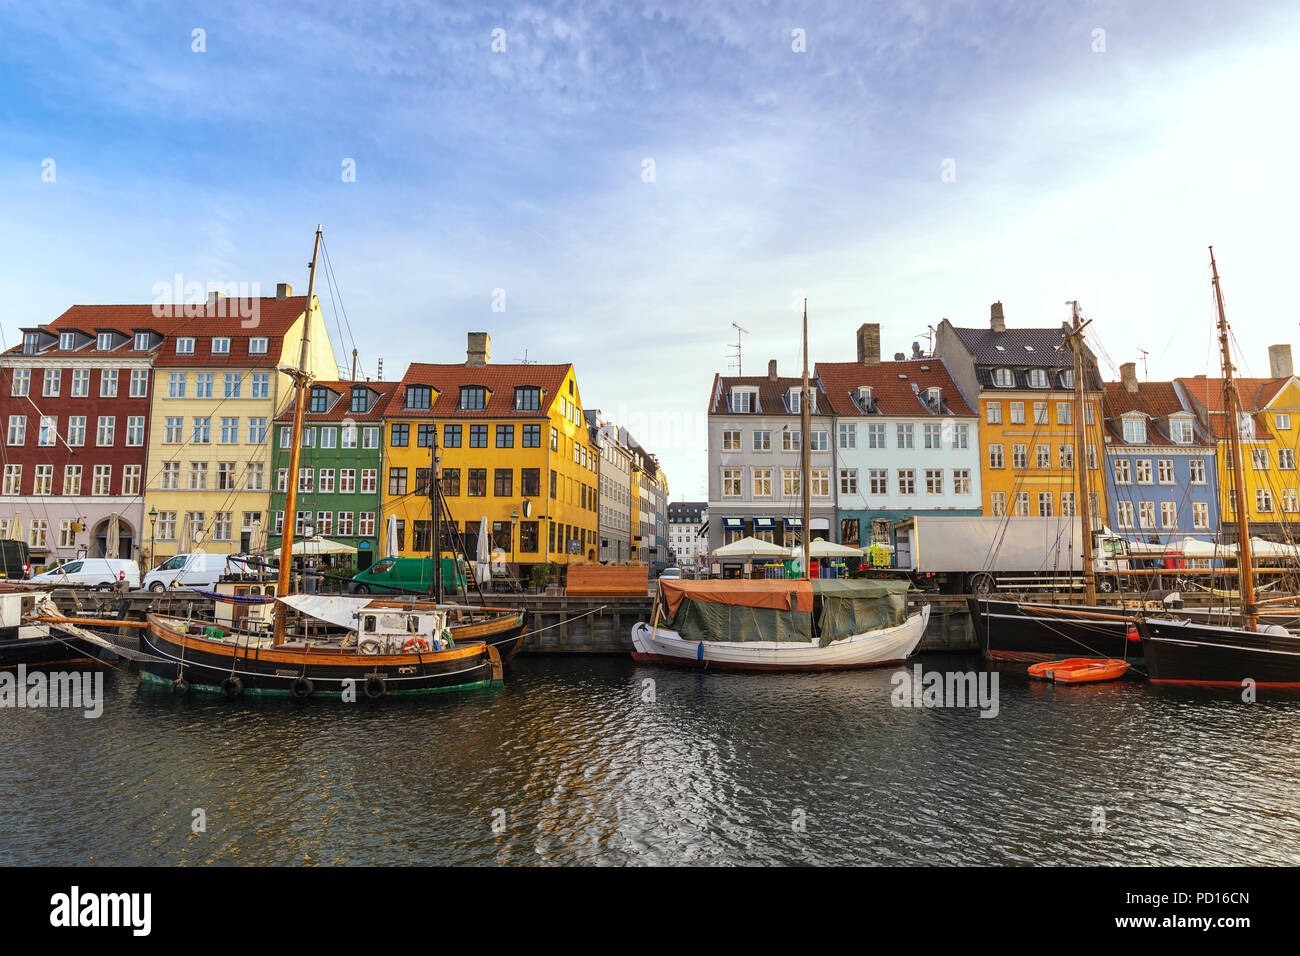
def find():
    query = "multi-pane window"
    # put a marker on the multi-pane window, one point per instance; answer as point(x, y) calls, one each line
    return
point(1045, 504)
point(202, 433)
point(934, 481)
point(166, 525)
point(1259, 458)
point(81, 382)
point(1286, 459)
point(1066, 453)
point(231, 384)
point(169, 478)
point(731, 482)
point(993, 411)
point(905, 439)
point(848, 436)
point(790, 484)
point(226, 471)
point(762, 441)
point(1290, 500)
point(451, 436)
point(998, 503)
point(819, 481)
point(198, 475)
point(932, 435)
point(1017, 413)
point(1037, 378)
point(255, 476)
point(399, 434)
point(848, 481)
point(476, 482)
point(222, 523)
point(39, 533)
point(731, 440)
point(1168, 515)
point(532, 436)
point(878, 481)
point(345, 524)
point(997, 458)
point(1200, 515)
point(472, 398)
point(530, 482)
point(135, 430)
point(347, 481)
point(203, 385)
point(176, 384)
point(876, 436)
point(319, 399)
point(13, 479)
point(503, 482)
point(820, 441)
point(325, 522)
point(108, 383)
point(360, 399)
point(1146, 514)
point(451, 482)
point(1043, 456)
point(1135, 431)
point(961, 481)
point(67, 537)
point(43, 480)
point(52, 382)
point(307, 479)
point(49, 431)
point(1263, 501)
point(257, 345)
point(1067, 504)
point(1002, 378)
point(1165, 471)
point(174, 431)
point(72, 479)
point(1064, 413)
point(961, 436)
point(101, 480)
point(1020, 456)
point(505, 436)
point(1022, 504)
point(397, 481)
point(1040, 413)
point(478, 436)
point(325, 481)
point(1181, 431)
point(366, 524)
point(762, 482)
point(257, 431)
point(791, 440)
point(261, 385)
point(105, 432)
point(1143, 466)
point(281, 479)
point(139, 383)
point(906, 481)
point(369, 480)
point(22, 382)
point(185, 346)
point(1123, 472)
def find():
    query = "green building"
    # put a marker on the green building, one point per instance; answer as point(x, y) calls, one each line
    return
point(339, 466)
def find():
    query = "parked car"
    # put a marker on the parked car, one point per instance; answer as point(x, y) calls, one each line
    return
point(670, 574)
point(91, 572)
point(15, 560)
point(398, 575)
point(192, 570)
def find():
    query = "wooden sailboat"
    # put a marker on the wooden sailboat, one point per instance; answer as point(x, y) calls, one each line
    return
point(386, 651)
point(782, 625)
point(1186, 653)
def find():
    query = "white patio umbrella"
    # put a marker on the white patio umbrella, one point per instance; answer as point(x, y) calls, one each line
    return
point(821, 548)
point(483, 571)
point(751, 547)
point(110, 542)
point(319, 545)
point(390, 538)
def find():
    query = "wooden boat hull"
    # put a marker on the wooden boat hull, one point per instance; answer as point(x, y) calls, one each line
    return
point(1015, 632)
point(206, 664)
point(504, 632)
point(871, 649)
point(1179, 652)
point(41, 652)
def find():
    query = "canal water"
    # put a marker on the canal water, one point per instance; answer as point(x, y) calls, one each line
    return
point(597, 760)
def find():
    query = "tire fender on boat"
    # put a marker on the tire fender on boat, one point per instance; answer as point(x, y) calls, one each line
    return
point(180, 687)
point(232, 687)
point(302, 687)
point(374, 687)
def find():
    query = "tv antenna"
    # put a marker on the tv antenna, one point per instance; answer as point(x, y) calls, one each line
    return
point(526, 360)
point(739, 332)
point(1145, 373)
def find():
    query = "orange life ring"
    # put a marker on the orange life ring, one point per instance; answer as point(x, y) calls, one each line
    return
point(414, 642)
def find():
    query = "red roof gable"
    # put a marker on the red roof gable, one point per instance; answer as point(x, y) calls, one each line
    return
point(891, 386)
point(340, 407)
point(1255, 394)
point(500, 381)
point(771, 393)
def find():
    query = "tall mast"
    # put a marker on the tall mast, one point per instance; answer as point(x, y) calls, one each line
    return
point(1081, 456)
point(805, 450)
point(1232, 408)
point(300, 382)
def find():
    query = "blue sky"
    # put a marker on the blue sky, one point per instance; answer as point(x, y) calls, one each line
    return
point(1100, 176)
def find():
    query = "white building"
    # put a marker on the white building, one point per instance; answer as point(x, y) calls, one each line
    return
point(686, 519)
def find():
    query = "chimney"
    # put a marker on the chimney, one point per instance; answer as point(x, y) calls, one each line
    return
point(1279, 361)
point(771, 370)
point(996, 320)
point(869, 343)
point(283, 290)
point(480, 347)
point(1128, 374)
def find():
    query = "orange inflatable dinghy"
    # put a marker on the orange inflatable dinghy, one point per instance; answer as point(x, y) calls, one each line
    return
point(1079, 670)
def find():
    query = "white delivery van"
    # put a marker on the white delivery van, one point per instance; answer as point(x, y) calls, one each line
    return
point(192, 570)
point(91, 573)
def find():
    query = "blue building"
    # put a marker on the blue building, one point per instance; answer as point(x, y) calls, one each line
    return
point(1161, 479)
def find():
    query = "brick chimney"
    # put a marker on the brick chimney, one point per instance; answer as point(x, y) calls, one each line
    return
point(771, 370)
point(479, 352)
point(996, 320)
point(283, 290)
point(1128, 375)
point(1279, 361)
point(869, 343)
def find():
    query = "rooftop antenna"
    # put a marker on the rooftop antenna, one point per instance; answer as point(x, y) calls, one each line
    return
point(1145, 373)
point(928, 335)
point(379, 372)
point(526, 360)
point(739, 332)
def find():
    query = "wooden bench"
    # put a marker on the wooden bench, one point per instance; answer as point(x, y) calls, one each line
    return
point(601, 580)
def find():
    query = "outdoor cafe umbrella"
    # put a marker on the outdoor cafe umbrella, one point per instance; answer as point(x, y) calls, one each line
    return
point(390, 538)
point(821, 548)
point(319, 546)
point(751, 547)
point(484, 569)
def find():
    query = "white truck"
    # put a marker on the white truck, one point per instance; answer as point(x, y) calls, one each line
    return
point(977, 555)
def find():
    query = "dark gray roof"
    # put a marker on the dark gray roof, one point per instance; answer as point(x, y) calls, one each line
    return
point(681, 512)
point(1016, 348)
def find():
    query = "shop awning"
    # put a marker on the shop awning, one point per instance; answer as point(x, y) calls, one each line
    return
point(733, 524)
point(794, 523)
point(764, 524)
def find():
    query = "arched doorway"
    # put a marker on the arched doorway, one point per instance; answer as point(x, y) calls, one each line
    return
point(125, 539)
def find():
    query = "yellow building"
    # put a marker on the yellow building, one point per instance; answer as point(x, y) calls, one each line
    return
point(513, 449)
point(1270, 433)
point(1027, 432)
point(217, 390)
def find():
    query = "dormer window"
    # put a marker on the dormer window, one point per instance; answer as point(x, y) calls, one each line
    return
point(360, 399)
point(934, 398)
point(1002, 377)
point(319, 395)
point(1067, 378)
point(185, 346)
point(1181, 431)
point(1037, 378)
point(104, 342)
point(419, 396)
point(472, 397)
point(794, 399)
point(142, 341)
point(31, 343)
point(257, 345)
point(744, 400)
point(1135, 430)
point(864, 397)
point(1245, 426)
point(528, 398)
point(221, 346)
point(67, 341)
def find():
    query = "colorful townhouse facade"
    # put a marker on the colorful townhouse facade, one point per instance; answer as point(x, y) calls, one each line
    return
point(614, 474)
point(1270, 431)
point(340, 461)
point(74, 399)
point(905, 442)
point(513, 449)
point(1161, 474)
point(1023, 382)
point(755, 434)
point(218, 389)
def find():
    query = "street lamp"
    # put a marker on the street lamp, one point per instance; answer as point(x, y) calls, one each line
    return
point(153, 533)
point(514, 521)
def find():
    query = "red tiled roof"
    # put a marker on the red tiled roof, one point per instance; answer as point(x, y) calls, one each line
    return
point(1255, 394)
point(770, 393)
point(891, 386)
point(500, 381)
point(339, 409)
point(1157, 399)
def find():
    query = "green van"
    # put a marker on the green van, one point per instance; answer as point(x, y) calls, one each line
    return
point(408, 576)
